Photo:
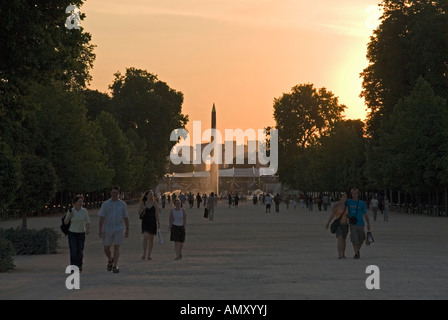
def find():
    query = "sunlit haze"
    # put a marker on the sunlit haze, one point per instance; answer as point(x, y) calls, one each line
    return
point(238, 54)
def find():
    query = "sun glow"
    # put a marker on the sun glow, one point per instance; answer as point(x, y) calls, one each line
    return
point(240, 55)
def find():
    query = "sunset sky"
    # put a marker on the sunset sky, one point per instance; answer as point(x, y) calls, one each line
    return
point(238, 54)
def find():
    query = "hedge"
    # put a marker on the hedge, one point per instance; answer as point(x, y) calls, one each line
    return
point(6, 253)
point(31, 241)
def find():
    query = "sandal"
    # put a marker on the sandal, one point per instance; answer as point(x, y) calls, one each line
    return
point(110, 264)
point(116, 269)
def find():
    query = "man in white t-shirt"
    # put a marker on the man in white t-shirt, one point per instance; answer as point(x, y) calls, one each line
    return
point(113, 227)
point(374, 207)
point(268, 200)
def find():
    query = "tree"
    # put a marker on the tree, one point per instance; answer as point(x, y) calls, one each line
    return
point(413, 142)
point(37, 186)
point(411, 41)
point(36, 47)
point(37, 50)
point(96, 102)
point(335, 162)
point(60, 132)
point(117, 150)
point(137, 160)
point(338, 158)
point(8, 175)
point(302, 116)
point(149, 106)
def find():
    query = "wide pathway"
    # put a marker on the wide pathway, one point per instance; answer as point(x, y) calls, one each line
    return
point(246, 254)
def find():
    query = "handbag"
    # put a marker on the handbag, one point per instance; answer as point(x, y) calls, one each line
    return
point(369, 238)
point(335, 225)
point(205, 213)
point(65, 227)
point(159, 236)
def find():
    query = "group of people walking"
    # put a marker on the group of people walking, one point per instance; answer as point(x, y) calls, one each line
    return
point(114, 227)
point(353, 215)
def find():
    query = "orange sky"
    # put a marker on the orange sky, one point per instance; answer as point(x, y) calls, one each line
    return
point(238, 54)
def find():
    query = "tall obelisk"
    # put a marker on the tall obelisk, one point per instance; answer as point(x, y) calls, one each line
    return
point(214, 170)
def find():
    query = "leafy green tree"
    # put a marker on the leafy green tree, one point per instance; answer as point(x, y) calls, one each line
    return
point(96, 102)
point(339, 157)
point(36, 51)
point(37, 186)
point(36, 47)
point(411, 41)
point(138, 160)
point(92, 171)
point(63, 135)
point(9, 179)
point(335, 162)
point(413, 142)
point(117, 150)
point(302, 116)
point(149, 106)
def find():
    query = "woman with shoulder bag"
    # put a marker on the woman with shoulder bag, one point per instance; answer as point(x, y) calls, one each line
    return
point(79, 220)
point(340, 212)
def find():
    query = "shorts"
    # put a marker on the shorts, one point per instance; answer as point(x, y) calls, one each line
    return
point(177, 233)
point(357, 234)
point(342, 231)
point(113, 238)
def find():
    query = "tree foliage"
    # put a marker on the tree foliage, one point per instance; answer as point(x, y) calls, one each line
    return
point(51, 127)
point(36, 52)
point(335, 162)
point(38, 184)
point(64, 136)
point(36, 47)
point(405, 87)
point(412, 143)
point(117, 150)
point(9, 179)
point(302, 116)
point(411, 41)
point(152, 109)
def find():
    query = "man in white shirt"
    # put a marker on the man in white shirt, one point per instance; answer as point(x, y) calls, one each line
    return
point(374, 207)
point(268, 201)
point(113, 227)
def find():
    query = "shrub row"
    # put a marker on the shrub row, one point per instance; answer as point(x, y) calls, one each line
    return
point(31, 241)
point(6, 253)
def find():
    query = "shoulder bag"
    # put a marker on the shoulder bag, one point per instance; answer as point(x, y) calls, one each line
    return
point(336, 222)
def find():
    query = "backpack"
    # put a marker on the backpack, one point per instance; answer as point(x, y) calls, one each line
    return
point(65, 227)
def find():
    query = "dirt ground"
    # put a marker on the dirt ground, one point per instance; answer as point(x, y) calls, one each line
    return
point(245, 254)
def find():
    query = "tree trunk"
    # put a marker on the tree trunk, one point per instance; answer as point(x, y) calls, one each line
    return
point(24, 221)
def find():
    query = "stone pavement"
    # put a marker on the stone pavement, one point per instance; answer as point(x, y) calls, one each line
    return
point(245, 254)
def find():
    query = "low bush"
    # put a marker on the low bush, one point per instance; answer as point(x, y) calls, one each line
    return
point(31, 241)
point(6, 255)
